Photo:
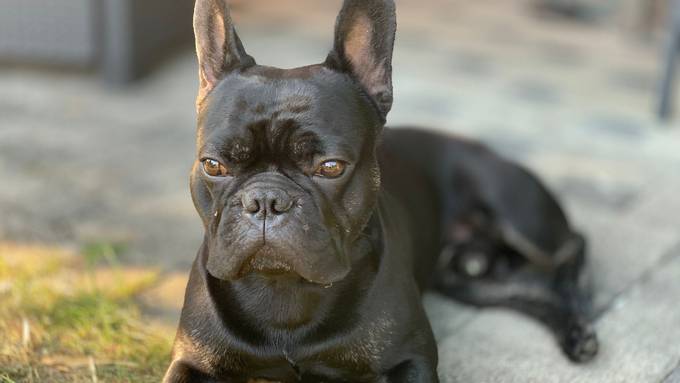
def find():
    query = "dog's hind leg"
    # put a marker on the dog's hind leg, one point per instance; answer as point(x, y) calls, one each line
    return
point(559, 298)
point(572, 283)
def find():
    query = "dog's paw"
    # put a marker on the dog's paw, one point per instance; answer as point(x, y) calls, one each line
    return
point(580, 343)
point(473, 264)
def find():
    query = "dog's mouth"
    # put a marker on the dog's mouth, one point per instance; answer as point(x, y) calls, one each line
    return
point(278, 261)
point(266, 262)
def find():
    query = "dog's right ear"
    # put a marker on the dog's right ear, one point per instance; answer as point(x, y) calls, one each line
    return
point(218, 47)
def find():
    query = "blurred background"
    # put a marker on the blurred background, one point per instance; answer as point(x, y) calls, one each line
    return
point(97, 125)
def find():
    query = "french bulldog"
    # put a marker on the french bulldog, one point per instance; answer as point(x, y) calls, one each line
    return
point(323, 228)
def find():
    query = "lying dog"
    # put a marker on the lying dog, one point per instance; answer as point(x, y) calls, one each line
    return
point(323, 229)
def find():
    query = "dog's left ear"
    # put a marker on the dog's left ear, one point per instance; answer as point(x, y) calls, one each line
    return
point(364, 41)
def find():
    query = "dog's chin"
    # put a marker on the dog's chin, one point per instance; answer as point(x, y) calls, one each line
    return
point(267, 265)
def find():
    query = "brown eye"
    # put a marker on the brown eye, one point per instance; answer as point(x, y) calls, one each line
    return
point(214, 168)
point(331, 169)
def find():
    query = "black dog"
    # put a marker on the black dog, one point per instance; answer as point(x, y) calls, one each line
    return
point(323, 229)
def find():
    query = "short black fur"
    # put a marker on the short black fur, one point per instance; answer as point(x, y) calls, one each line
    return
point(308, 278)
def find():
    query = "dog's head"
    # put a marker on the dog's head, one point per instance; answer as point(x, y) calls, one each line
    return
point(286, 176)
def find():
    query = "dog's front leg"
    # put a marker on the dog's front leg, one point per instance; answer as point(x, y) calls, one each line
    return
point(419, 370)
point(180, 372)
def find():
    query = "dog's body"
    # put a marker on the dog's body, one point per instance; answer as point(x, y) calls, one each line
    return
point(323, 229)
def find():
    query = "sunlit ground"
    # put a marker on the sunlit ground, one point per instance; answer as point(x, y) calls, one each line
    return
point(75, 316)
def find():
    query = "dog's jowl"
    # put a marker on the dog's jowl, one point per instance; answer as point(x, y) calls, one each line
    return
point(323, 228)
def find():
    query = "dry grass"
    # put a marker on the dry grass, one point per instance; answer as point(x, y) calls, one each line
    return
point(74, 317)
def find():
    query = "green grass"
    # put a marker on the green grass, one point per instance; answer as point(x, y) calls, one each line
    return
point(72, 317)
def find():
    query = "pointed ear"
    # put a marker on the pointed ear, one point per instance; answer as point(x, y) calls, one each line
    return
point(364, 41)
point(218, 47)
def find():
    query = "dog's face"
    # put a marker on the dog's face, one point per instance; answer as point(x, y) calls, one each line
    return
point(286, 176)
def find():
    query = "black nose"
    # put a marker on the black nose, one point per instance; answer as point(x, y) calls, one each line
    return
point(261, 202)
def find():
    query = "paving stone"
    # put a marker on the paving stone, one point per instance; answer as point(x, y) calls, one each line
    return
point(471, 64)
point(446, 316)
point(674, 376)
point(83, 178)
point(432, 105)
point(661, 207)
point(414, 39)
point(535, 91)
point(621, 250)
point(634, 81)
point(572, 10)
point(616, 196)
point(510, 146)
point(601, 182)
point(639, 343)
point(616, 127)
point(505, 34)
point(564, 55)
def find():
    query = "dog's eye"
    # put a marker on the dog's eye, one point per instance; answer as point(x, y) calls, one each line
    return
point(214, 168)
point(331, 169)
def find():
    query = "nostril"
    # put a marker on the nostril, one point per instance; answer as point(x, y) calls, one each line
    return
point(250, 205)
point(261, 202)
point(280, 206)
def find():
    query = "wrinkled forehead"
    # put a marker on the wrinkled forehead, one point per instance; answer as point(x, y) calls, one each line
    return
point(314, 99)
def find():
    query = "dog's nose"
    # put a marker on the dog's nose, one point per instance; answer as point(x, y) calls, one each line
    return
point(262, 202)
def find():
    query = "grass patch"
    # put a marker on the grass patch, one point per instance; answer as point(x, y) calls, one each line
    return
point(74, 317)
